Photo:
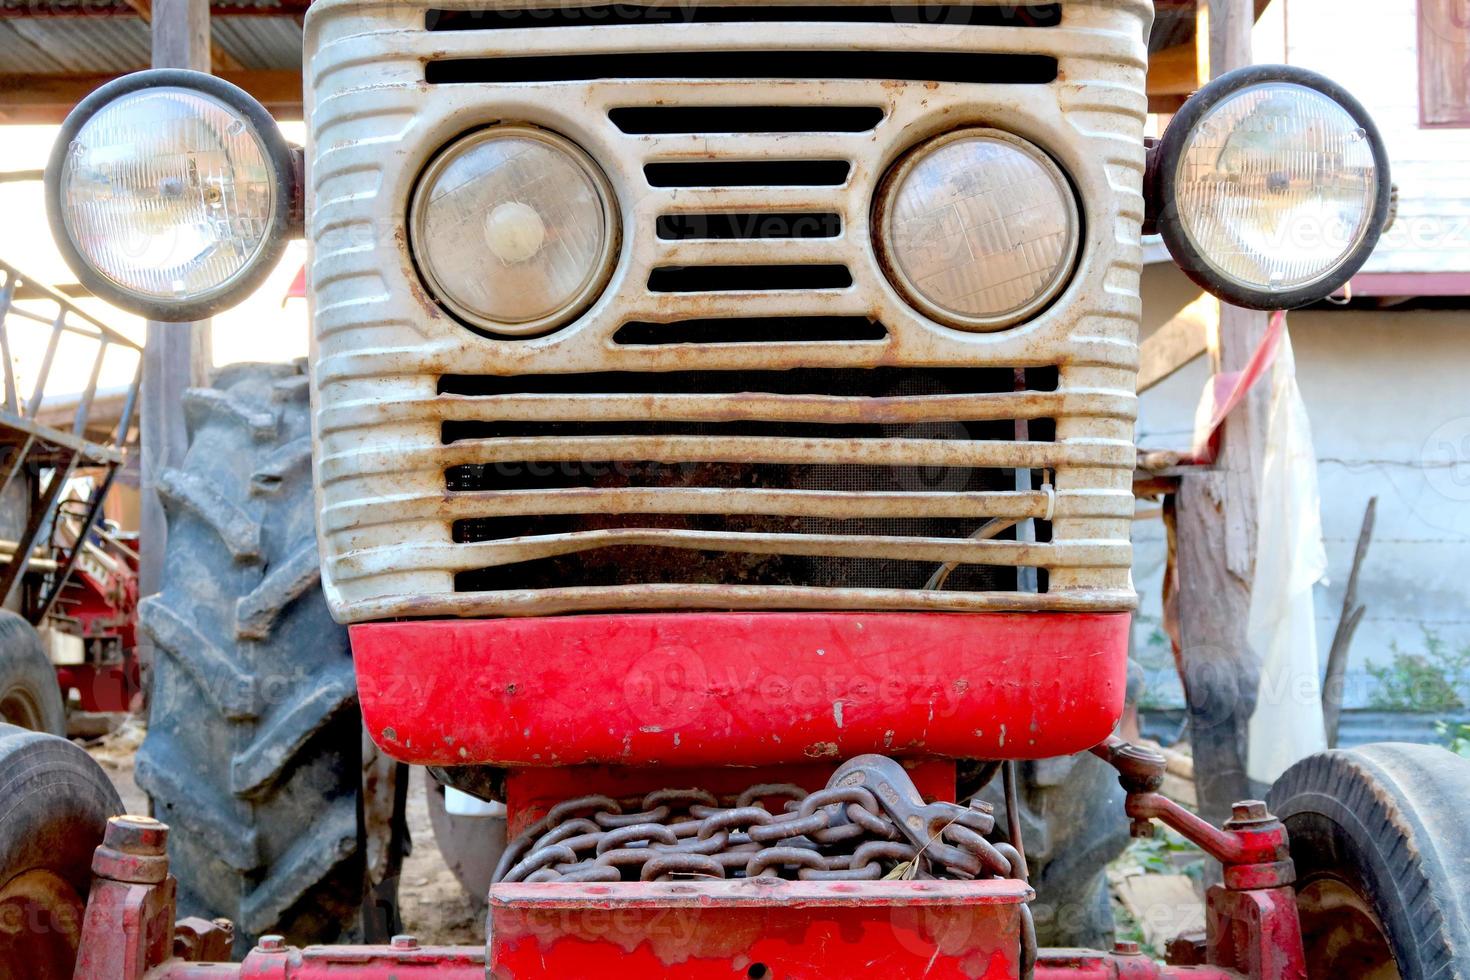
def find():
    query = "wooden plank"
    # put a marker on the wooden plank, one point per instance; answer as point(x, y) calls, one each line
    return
point(1216, 513)
point(1164, 906)
point(176, 356)
point(1174, 71)
point(1444, 62)
point(1228, 25)
point(220, 59)
point(38, 99)
point(1190, 334)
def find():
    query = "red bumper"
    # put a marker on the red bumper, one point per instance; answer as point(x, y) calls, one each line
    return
point(702, 689)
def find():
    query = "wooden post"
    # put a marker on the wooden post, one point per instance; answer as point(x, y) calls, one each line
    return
point(1347, 625)
point(176, 355)
point(1217, 513)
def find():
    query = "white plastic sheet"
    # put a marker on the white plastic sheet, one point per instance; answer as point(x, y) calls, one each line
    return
point(1281, 627)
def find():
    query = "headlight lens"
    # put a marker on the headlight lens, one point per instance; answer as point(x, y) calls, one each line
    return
point(978, 229)
point(515, 229)
point(1276, 185)
point(1273, 185)
point(169, 193)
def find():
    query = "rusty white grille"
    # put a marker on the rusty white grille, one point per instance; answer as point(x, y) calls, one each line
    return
point(719, 356)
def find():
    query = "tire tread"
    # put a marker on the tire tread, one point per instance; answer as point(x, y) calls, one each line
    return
point(255, 743)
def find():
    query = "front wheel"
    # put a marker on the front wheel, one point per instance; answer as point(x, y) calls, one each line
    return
point(29, 695)
point(54, 805)
point(1382, 853)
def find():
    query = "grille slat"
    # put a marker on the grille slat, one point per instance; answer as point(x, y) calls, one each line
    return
point(696, 449)
point(933, 551)
point(797, 252)
point(463, 505)
point(750, 405)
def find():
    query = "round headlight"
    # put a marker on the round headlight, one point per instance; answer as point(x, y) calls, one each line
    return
point(1274, 187)
point(514, 229)
point(978, 229)
point(170, 193)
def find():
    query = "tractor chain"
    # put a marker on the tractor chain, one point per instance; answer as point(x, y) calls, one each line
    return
point(841, 833)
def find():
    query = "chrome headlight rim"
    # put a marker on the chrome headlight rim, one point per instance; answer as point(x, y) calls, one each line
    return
point(884, 202)
point(1165, 174)
point(285, 216)
point(599, 273)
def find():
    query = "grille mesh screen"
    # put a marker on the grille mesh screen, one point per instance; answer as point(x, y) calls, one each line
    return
point(627, 565)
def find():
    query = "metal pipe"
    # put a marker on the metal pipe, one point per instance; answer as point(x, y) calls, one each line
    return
point(273, 959)
point(7, 295)
point(1013, 813)
point(40, 392)
point(84, 409)
point(94, 508)
point(15, 570)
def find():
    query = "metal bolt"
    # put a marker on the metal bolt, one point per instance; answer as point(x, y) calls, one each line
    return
point(271, 944)
point(1250, 810)
point(1142, 828)
point(404, 942)
point(1126, 947)
point(140, 836)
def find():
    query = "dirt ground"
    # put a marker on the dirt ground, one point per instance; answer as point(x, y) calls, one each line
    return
point(434, 907)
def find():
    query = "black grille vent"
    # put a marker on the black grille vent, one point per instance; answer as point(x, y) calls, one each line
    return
point(910, 66)
point(1020, 14)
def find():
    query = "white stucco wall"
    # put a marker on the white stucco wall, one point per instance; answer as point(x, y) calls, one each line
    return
point(1389, 401)
point(1371, 48)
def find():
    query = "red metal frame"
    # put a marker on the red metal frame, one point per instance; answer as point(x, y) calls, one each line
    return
point(761, 927)
point(750, 689)
point(102, 688)
point(533, 695)
point(100, 606)
point(758, 927)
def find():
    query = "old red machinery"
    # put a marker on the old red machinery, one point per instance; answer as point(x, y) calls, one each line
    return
point(66, 572)
point(100, 604)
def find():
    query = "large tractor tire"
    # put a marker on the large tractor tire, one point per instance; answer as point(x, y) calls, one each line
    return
point(1378, 837)
point(471, 846)
point(29, 695)
point(1072, 824)
point(255, 754)
point(54, 805)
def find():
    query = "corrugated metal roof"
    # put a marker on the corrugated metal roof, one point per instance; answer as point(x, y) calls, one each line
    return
point(99, 9)
point(1172, 26)
point(73, 45)
point(89, 37)
point(259, 42)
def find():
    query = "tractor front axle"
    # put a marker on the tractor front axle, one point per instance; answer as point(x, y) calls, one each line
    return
point(557, 923)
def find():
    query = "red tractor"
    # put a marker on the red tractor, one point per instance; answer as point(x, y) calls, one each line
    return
point(720, 422)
